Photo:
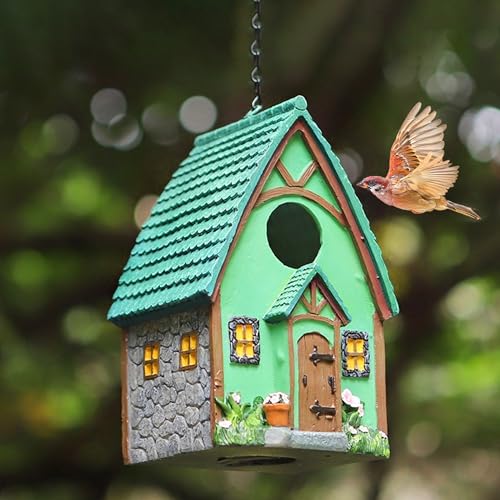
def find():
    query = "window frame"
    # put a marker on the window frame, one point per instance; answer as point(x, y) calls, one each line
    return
point(233, 341)
point(152, 361)
point(355, 335)
point(189, 351)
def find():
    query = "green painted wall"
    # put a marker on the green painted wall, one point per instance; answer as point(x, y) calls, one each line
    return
point(253, 279)
point(296, 156)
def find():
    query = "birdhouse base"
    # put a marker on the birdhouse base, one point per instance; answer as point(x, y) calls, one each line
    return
point(285, 451)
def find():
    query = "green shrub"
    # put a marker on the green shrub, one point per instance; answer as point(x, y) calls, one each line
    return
point(243, 423)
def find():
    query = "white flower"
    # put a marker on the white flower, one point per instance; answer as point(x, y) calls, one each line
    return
point(362, 428)
point(361, 410)
point(352, 430)
point(350, 399)
point(355, 401)
point(277, 397)
point(346, 396)
point(383, 434)
point(225, 424)
point(236, 397)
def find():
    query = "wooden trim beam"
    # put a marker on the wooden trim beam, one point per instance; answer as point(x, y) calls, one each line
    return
point(314, 289)
point(299, 191)
point(280, 167)
point(338, 363)
point(321, 306)
point(124, 396)
point(307, 304)
point(307, 174)
point(290, 182)
point(381, 398)
point(333, 303)
point(216, 361)
point(314, 317)
point(291, 358)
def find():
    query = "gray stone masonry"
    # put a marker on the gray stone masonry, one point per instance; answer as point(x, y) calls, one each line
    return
point(169, 414)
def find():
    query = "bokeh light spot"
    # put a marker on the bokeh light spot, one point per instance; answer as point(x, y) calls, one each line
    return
point(352, 163)
point(80, 192)
point(449, 250)
point(479, 130)
point(106, 104)
point(465, 301)
point(83, 325)
point(401, 240)
point(123, 133)
point(28, 268)
point(60, 133)
point(197, 114)
point(423, 439)
point(161, 126)
point(143, 209)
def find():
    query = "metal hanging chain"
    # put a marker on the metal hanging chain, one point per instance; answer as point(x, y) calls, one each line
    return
point(255, 50)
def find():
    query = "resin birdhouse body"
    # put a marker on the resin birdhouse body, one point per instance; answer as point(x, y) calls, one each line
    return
point(255, 290)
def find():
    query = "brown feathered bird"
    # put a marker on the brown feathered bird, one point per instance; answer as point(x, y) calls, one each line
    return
point(418, 176)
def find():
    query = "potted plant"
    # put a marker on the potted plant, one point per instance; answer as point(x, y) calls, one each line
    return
point(277, 408)
point(243, 423)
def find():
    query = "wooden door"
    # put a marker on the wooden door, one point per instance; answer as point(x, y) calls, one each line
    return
point(318, 385)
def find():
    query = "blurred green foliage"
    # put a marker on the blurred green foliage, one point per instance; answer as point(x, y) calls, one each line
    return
point(71, 190)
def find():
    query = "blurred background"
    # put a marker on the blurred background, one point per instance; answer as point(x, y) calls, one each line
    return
point(100, 101)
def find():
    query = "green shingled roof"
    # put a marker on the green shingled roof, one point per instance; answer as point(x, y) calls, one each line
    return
point(180, 250)
point(291, 294)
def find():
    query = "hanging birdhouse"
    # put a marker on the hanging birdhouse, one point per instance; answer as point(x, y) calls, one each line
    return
point(252, 307)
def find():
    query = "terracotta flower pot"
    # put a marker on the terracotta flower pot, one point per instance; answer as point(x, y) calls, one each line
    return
point(277, 414)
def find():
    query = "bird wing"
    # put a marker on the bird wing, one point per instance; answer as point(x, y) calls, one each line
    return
point(420, 134)
point(431, 179)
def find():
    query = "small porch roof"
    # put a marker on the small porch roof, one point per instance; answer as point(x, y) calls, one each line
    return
point(294, 289)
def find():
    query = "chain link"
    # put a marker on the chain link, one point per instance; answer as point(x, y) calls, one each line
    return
point(256, 51)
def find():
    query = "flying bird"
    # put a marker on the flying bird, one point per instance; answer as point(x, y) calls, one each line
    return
point(419, 176)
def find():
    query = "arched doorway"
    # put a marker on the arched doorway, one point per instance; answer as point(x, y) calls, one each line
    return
point(319, 399)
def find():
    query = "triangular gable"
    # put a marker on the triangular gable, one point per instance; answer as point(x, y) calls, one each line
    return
point(294, 290)
point(181, 250)
point(351, 214)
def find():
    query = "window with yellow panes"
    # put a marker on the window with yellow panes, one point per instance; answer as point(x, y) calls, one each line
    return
point(188, 351)
point(355, 359)
point(151, 360)
point(245, 340)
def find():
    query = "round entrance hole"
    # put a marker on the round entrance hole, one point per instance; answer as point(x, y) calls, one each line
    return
point(293, 235)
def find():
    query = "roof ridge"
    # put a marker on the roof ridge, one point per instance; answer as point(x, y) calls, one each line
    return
point(298, 102)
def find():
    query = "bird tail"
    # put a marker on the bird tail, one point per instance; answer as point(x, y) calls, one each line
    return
point(462, 209)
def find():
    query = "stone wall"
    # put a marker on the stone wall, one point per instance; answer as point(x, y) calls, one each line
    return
point(169, 414)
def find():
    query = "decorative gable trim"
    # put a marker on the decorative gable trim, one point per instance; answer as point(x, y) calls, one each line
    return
point(366, 245)
point(305, 193)
point(293, 292)
point(280, 167)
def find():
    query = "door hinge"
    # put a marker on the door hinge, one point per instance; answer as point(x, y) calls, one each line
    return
point(316, 357)
point(319, 410)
